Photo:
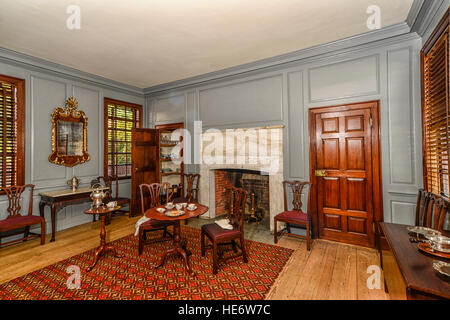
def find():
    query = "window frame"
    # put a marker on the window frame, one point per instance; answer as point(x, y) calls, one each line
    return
point(21, 129)
point(108, 101)
point(435, 37)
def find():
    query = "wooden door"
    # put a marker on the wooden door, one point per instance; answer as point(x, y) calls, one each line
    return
point(145, 155)
point(345, 162)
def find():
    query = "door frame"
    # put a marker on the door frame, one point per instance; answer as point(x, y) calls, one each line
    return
point(374, 106)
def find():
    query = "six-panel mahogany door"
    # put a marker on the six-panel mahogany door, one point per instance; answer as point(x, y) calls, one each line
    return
point(145, 165)
point(343, 151)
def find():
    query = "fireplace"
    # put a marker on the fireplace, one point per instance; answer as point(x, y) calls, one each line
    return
point(245, 160)
point(254, 182)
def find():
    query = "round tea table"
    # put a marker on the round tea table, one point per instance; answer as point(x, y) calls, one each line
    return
point(104, 247)
point(179, 246)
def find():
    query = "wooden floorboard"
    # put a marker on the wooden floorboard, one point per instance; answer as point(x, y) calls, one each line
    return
point(329, 271)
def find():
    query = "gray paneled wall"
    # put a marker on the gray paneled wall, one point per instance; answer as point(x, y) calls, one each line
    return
point(44, 92)
point(387, 71)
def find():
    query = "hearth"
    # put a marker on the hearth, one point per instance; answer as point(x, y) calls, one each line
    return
point(254, 182)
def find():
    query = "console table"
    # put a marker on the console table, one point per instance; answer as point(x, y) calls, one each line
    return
point(408, 272)
point(59, 199)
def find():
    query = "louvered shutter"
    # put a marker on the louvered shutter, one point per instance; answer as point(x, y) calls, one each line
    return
point(436, 116)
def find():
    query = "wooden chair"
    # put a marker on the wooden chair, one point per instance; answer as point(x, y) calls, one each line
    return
point(219, 236)
point(423, 198)
point(190, 189)
point(437, 210)
point(16, 220)
point(151, 200)
point(294, 217)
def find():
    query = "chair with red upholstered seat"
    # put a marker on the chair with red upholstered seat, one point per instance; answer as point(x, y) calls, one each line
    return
point(294, 217)
point(15, 220)
point(219, 236)
point(150, 198)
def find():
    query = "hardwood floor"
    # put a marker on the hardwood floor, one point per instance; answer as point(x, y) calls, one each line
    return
point(329, 271)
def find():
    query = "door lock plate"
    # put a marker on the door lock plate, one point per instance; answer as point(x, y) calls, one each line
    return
point(321, 173)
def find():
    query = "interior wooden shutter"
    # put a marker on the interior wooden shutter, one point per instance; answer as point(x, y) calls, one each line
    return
point(120, 118)
point(436, 116)
point(9, 134)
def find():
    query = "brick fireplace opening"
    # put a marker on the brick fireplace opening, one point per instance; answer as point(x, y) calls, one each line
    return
point(257, 186)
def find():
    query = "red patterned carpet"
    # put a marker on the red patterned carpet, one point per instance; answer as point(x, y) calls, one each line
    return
point(131, 277)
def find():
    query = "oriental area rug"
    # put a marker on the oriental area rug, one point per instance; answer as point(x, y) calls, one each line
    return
point(132, 278)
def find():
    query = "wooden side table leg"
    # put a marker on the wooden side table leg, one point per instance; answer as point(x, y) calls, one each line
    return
point(53, 216)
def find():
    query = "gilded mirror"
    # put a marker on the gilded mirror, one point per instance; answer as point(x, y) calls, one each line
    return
point(69, 135)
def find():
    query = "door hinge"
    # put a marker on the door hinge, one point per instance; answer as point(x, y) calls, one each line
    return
point(371, 121)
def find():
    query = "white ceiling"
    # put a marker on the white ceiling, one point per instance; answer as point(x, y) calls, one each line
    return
point(149, 42)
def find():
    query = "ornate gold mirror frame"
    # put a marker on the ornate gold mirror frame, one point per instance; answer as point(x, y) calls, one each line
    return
point(69, 135)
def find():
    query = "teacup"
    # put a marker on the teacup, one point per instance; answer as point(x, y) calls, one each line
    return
point(184, 204)
point(160, 210)
point(179, 206)
point(111, 204)
point(191, 206)
point(169, 205)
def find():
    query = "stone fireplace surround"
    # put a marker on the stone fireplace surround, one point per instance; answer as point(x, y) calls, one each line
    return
point(207, 182)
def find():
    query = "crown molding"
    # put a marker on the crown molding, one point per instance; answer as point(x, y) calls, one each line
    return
point(414, 12)
point(300, 56)
point(428, 12)
point(296, 56)
point(40, 65)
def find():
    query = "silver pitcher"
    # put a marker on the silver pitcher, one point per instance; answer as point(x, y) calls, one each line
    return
point(73, 183)
point(97, 197)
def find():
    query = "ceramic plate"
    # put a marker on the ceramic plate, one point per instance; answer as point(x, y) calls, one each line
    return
point(174, 213)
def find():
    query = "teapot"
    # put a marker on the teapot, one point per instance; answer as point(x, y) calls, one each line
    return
point(74, 182)
point(97, 198)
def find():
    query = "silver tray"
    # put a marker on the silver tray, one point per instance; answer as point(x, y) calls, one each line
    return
point(424, 231)
point(442, 267)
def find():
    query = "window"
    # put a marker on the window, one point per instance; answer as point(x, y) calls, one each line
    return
point(120, 118)
point(12, 128)
point(436, 113)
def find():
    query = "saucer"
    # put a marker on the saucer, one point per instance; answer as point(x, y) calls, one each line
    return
point(195, 207)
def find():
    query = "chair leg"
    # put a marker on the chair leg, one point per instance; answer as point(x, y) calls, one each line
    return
point(244, 252)
point(42, 232)
point(308, 237)
point(233, 244)
point(26, 233)
point(288, 227)
point(93, 218)
point(141, 241)
point(215, 258)
point(203, 244)
point(165, 232)
point(275, 232)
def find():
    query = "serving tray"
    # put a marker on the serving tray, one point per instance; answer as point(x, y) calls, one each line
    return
point(442, 267)
point(425, 247)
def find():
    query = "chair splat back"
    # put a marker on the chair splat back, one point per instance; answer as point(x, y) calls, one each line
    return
point(236, 213)
point(192, 186)
point(14, 194)
point(423, 199)
point(154, 189)
point(297, 189)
